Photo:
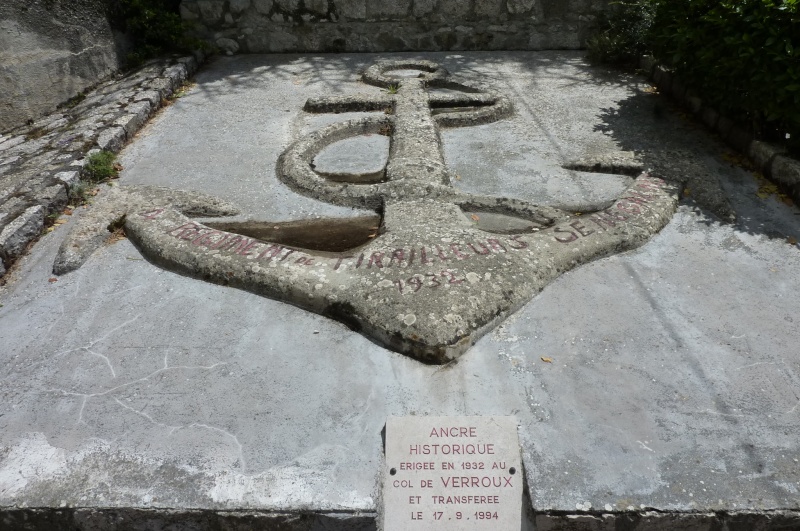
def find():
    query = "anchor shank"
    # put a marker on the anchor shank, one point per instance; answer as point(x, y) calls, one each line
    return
point(416, 152)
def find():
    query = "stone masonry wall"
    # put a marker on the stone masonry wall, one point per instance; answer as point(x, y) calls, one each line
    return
point(50, 50)
point(271, 26)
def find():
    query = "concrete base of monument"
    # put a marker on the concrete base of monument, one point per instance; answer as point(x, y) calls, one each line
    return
point(654, 389)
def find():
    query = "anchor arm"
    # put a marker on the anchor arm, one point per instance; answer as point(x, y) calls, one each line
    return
point(484, 114)
point(311, 281)
point(360, 103)
point(475, 106)
point(462, 100)
point(91, 229)
point(541, 215)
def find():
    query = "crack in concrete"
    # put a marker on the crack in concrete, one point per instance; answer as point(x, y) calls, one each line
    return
point(231, 435)
point(357, 419)
point(55, 321)
point(173, 429)
point(645, 447)
point(720, 414)
point(87, 49)
point(754, 365)
point(80, 413)
point(105, 358)
point(88, 348)
point(87, 396)
point(145, 415)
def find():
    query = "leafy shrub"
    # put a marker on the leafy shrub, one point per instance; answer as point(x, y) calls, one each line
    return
point(623, 31)
point(101, 167)
point(155, 26)
point(742, 56)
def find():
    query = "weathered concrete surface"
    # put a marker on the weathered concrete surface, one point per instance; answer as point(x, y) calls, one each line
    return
point(49, 52)
point(670, 399)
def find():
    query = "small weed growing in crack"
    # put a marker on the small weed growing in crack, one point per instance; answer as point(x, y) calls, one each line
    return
point(392, 89)
point(54, 219)
point(79, 193)
point(50, 219)
point(117, 224)
point(180, 92)
point(101, 167)
point(183, 90)
point(33, 134)
point(117, 229)
point(74, 100)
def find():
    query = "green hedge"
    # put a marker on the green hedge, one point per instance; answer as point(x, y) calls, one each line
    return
point(155, 27)
point(742, 56)
point(623, 32)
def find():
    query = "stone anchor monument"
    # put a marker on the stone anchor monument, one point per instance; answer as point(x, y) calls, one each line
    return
point(431, 281)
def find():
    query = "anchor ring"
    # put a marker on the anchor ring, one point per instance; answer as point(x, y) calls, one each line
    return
point(377, 73)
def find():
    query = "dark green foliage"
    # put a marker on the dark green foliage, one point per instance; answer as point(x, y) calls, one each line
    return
point(100, 167)
point(742, 56)
point(623, 32)
point(74, 100)
point(155, 26)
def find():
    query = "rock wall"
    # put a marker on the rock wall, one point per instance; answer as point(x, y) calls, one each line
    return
point(50, 50)
point(259, 26)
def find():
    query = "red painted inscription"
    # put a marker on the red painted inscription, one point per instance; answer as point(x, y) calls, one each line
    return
point(627, 207)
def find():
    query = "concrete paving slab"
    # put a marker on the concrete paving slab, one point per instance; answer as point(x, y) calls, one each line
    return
point(656, 389)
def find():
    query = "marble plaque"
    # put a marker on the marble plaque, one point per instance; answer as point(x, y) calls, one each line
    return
point(452, 473)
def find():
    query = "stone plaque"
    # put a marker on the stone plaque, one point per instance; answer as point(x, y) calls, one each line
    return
point(452, 473)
